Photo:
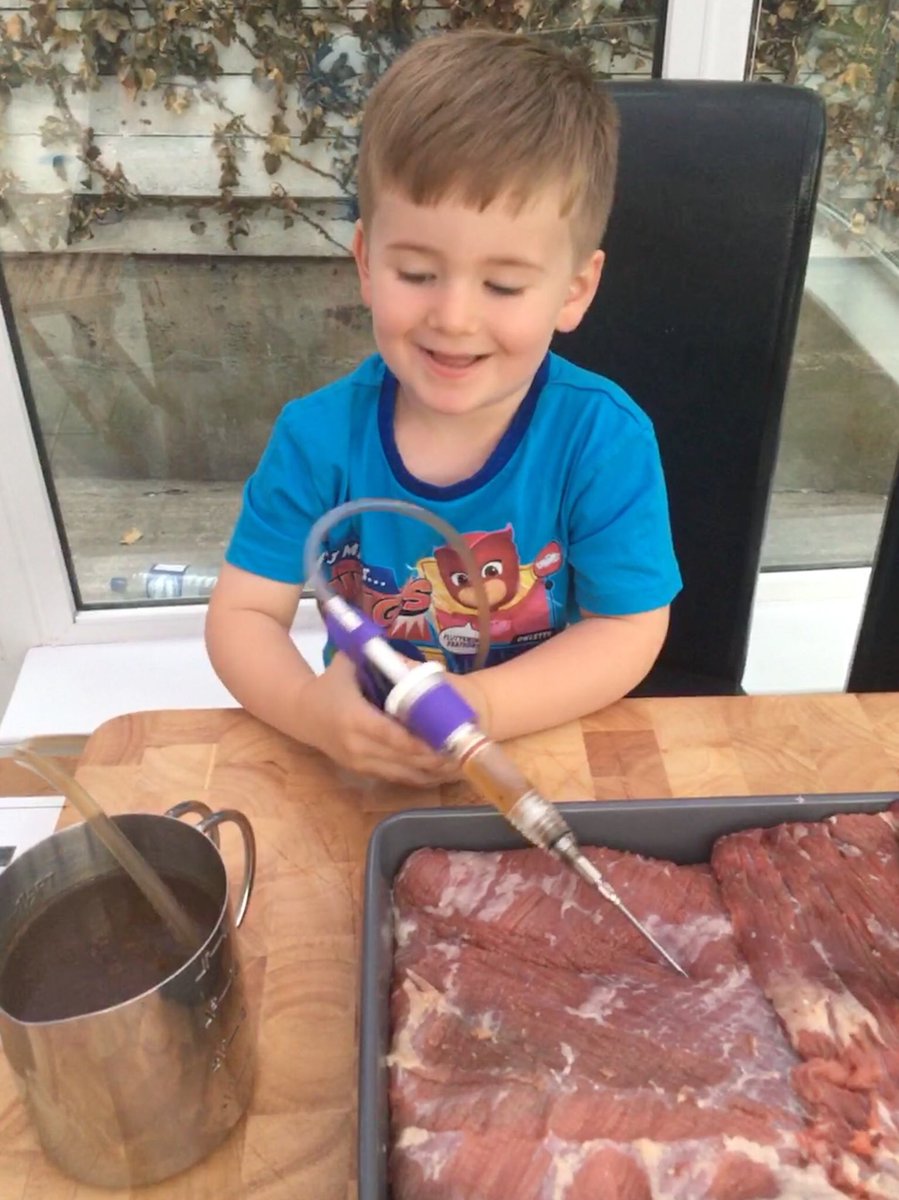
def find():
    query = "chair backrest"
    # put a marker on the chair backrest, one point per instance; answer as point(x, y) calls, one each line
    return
point(875, 661)
point(696, 316)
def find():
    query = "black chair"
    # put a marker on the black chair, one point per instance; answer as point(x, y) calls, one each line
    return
point(695, 317)
point(875, 660)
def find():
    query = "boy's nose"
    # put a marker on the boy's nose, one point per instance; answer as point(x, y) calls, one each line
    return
point(454, 311)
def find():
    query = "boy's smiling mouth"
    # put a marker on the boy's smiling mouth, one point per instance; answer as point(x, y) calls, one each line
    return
point(452, 362)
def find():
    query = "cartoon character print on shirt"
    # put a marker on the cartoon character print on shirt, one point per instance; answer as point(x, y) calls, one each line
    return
point(517, 593)
point(433, 613)
point(400, 610)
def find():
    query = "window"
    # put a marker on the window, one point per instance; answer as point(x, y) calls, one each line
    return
point(841, 421)
point(176, 199)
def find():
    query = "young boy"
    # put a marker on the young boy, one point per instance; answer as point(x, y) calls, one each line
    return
point(486, 175)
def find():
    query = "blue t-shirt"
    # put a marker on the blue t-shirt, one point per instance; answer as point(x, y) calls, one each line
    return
point(568, 513)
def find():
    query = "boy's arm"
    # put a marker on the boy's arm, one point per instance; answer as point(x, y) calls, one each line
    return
point(248, 640)
point(584, 668)
point(249, 645)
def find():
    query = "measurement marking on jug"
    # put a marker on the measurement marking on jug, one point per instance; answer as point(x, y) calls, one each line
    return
point(215, 1002)
point(209, 954)
point(223, 1046)
point(27, 898)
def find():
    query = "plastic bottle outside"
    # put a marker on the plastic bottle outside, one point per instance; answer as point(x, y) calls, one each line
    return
point(166, 581)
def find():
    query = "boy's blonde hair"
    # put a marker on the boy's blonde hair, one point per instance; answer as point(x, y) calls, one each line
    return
point(480, 114)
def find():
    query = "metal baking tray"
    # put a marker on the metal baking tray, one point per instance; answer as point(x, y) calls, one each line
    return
point(682, 831)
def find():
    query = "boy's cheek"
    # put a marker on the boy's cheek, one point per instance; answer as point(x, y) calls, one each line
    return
point(391, 312)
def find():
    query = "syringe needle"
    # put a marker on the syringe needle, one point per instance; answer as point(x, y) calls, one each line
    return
point(499, 780)
point(588, 871)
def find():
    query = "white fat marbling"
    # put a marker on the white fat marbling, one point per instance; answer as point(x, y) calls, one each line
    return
point(506, 892)
point(600, 1003)
point(808, 1182)
point(404, 930)
point(687, 941)
point(810, 1007)
point(471, 875)
point(432, 1151)
point(849, 851)
point(424, 1000)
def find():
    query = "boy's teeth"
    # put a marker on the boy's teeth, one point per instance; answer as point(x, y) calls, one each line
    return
point(453, 360)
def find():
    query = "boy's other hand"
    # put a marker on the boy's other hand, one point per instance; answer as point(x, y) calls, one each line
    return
point(358, 736)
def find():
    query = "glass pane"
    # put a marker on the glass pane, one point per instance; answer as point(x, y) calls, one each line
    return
point(841, 421)
point(176, 204)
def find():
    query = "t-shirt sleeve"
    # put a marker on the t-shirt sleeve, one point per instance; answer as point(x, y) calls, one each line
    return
point(281, 501)
point(621, 550)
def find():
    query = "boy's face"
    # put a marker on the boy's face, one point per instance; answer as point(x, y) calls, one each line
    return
point(464, 303)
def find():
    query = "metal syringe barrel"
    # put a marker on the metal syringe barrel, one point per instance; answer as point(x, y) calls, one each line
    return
point(426, 700)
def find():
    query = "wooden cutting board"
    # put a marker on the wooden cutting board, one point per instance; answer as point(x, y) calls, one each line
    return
point(300, 941)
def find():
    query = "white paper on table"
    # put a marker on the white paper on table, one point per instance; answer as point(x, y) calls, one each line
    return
point(24, 821)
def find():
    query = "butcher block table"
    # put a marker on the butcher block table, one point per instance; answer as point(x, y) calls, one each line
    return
point(300, 941)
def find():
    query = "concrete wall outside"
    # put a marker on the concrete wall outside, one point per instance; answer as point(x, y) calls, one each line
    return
point(177, 367)
point(155, 368)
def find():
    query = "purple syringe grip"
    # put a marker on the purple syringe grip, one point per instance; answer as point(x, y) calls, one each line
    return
point(437, 714)
point(352, 640)
point(350, 631)
point(431, 708)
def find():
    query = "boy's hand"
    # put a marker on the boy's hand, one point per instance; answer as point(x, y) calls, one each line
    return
point(358, 736)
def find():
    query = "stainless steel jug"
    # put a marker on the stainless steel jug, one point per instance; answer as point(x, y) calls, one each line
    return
point(136, 1092)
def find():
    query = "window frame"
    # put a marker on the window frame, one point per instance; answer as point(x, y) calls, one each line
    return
point(708, 39)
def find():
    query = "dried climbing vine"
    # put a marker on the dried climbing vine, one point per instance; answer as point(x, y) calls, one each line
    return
point(314, 67)
point(849, 53)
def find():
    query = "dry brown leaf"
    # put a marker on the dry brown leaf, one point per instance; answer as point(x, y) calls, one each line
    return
point(856, 75)
point(128, 539)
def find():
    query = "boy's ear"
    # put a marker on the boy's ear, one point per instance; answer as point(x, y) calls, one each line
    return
point(360, 253)
point(581, 291)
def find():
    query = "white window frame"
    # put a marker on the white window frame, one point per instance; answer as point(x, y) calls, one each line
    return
point(705, 39)
point(37, 605)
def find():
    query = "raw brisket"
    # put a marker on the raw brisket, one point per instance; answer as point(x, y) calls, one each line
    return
point(541, 1050)
point(815, 908)
point(540, 1047)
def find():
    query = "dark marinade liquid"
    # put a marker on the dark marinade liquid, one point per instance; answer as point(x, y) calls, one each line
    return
point(95, 946)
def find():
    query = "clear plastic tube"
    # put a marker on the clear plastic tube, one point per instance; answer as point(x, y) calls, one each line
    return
point(405, 508)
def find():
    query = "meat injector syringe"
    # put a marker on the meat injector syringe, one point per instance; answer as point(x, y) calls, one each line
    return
point(421, 697)
point(426, 703)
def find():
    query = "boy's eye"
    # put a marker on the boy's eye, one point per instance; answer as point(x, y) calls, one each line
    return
point(499, 289)
point(414, 276)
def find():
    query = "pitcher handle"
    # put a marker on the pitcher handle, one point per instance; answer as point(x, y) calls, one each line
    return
point(201, 810)
point(208, 826)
